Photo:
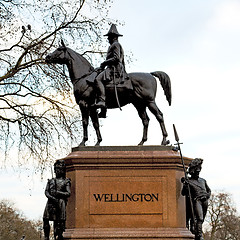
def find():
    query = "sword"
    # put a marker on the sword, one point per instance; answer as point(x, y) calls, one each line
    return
point(186, 176)
point(115, 89)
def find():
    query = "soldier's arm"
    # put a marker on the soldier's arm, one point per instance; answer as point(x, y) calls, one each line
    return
point(48, 192)
point(208, 189)
point(184, 189)
point(66, 193)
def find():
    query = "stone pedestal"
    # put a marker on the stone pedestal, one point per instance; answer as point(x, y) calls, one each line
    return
point(126, 193)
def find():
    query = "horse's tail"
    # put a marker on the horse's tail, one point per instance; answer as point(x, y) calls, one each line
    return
point(166, 84)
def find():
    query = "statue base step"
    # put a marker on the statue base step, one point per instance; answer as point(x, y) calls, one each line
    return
point(128, 233)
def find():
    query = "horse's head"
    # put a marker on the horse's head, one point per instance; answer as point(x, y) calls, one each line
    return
point(78, 66)
point(59, 56)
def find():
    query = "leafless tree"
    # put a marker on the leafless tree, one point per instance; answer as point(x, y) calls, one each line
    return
point(38, 115)
point(223, 220)
point(14, 225)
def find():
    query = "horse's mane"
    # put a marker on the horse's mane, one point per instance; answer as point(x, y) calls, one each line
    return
point(83, 59)
point(81, 63)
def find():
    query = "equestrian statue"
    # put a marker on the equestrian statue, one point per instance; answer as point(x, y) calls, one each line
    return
point(109, 86)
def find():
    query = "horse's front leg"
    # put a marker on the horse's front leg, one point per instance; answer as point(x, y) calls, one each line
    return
point(85, 130)
point(95, 121)
point(85, 121)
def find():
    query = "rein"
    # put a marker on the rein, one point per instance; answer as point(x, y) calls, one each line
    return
point(85, 75)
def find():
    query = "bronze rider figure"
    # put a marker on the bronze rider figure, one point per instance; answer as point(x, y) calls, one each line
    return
point(112, 67)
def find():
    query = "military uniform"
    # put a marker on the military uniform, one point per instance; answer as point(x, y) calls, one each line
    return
point(114, 63)
point(200, 193)
point(57, 191)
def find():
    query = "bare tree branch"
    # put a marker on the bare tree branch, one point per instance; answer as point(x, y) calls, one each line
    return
point(37, 110)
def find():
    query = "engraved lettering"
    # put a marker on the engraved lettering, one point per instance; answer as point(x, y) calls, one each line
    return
point(148, 198)
point(126, 197)
point(155, 196)
point(98, 197)
point(106, 197)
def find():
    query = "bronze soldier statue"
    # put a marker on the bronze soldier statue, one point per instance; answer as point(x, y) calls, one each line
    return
point(57, 191)
point(112, 67)
point(200, 193)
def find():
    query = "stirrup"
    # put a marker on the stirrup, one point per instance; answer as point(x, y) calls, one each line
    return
point(100, 104)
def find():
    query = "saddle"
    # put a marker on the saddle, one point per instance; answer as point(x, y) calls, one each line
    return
point(123, 83)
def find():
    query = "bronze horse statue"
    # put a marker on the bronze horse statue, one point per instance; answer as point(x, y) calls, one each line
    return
point(142, 93)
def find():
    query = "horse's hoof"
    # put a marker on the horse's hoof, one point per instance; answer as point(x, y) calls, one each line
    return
point(165, 142)
point(82, 144)
point(97, 144)
point(141, 143)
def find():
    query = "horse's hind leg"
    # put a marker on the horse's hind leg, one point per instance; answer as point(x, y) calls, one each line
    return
point(145, 121)
point(95, 121)
point(159, 116)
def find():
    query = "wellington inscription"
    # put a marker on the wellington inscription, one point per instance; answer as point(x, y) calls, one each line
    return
point(124, 197)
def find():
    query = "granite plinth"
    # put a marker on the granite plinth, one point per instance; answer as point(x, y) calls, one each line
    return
point(131, 192)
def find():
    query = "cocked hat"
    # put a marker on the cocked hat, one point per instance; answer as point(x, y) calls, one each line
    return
point(113, 31)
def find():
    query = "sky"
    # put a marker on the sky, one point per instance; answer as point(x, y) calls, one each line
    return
point(197, 43)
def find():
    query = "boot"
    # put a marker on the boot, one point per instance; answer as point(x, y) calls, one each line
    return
point(46, 228)
point(198, 232)
point(103, 113)
point(101, 94)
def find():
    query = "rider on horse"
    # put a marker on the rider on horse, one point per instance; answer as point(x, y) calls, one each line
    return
point(138, 88)
point(114, 63)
